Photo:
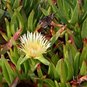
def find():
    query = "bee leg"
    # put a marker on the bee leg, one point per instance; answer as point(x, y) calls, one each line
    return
point(52, 30)
point(56, 25)
point(62, 28)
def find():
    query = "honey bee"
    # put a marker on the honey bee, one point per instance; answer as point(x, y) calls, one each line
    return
point(46, 21)
point(47, 25)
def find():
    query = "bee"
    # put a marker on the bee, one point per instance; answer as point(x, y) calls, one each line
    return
point(47, 25)
point(46, 21)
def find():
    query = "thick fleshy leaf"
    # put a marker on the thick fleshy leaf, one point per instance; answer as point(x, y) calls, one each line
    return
point(23, 60)
point(1, 77)
point(8, 28)
point(1, 13)
point(83, 54)
point(83, 69)
point(8, 73)
point(20, 61)
point(26, 67)
point(69, 62)
point(61, 69)
point(54, 58)
point(50, 2)
point(84, 29)
point(62, 85)
point(76, 63)
point(68, 84)
point(13, 55)
point(49, 82)
point(43, 60)
point(20, 19)
point(44, 11)
point(30, 21)
point(16, 4)
point(74, 17)
point(56, 84)
point(54, 38)
point(52, 72)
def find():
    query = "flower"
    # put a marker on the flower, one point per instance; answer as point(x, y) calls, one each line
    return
point(34, 44)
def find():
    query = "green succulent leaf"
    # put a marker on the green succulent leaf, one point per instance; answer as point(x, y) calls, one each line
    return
point(1, 13)
point(43, 60)
point(76, 63)
point(13, 23)
point(8, 28)
point(4, 36)
point(83, 69)
point(26, 67)
point(55, 37)
point(49, 82)
point(45, 12)
point(54, 58)
point(62, 84)
point(84, 84)
point(68, 58)
point(31, 20)
point(84, 29)
point(23, 60)
point(50, 2)
point(85, 4)
point(83, 54)
point(1, 77)
point(66, 9)
point(68, 84)
point(75, 13)
point(52, 71)
point(70, 71)
point(20, 19)
point(56, 84)
point(16, 4)
point(72, 50)
point(61, 69)
point(8, 73)
point(13, 55)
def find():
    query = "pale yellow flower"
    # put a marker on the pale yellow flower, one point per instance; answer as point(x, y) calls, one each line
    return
point(34, 44)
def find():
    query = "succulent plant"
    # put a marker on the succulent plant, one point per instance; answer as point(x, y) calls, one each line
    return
point(62, 23)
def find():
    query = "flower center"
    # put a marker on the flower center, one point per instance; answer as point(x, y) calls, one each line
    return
point(34, 46)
